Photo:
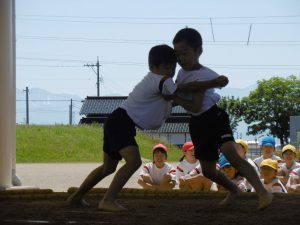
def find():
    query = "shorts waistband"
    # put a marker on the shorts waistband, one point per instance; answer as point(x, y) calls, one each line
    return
point(212, 109)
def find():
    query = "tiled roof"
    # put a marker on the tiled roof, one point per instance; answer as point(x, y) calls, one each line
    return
point(171, 128)
point(105, 105)
point(101, 105)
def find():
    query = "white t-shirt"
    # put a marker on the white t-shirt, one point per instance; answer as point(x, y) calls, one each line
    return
point(196, 171)
point(261, 158)
point(146, 106)
point(286, 170)
point(275, 186)
point(295, 172)
point(156, 173)
point(184, 168)
point(202, 74)
point(241, 183)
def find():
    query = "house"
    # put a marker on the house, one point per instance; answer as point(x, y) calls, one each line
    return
point(175, 130)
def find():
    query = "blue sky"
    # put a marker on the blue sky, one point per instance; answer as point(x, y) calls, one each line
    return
point(56, 38)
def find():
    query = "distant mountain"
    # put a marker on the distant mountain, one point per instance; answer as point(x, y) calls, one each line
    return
point(237, 92)
point(46, 107)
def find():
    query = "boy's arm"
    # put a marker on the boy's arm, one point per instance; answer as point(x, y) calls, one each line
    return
point(196, 86)
point(193, 105)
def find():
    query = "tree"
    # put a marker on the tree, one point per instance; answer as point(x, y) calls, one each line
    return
point(233, 107)
point(269, 107)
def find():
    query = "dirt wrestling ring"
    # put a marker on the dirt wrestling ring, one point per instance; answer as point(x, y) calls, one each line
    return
point(43, 206)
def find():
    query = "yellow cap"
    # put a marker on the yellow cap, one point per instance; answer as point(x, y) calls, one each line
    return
point(243, 143)
point(289, 147)
point(270, 163)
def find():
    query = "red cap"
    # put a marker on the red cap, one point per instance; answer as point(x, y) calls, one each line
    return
point(188, 146)
point(160, 146)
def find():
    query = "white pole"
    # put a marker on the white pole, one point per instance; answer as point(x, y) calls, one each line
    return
point(15, 179)
point(6, 92)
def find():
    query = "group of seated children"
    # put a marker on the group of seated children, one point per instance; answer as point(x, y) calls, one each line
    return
point(277, 175)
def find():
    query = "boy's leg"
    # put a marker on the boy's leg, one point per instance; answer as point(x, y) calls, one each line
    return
point(108, 167)
point(209, 170)
point(133, 161)
point(230, 152)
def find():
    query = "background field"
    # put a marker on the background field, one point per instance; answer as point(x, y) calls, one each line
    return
point(62, 143)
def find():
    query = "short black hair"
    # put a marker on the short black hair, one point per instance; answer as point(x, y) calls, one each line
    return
point(161, 54)
point(190, 36)
point(161, 150)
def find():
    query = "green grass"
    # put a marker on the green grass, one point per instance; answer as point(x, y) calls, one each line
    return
point(62, 143)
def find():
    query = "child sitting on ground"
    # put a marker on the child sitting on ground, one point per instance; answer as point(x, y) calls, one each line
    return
point(268, 149)
point(232, 174)
point(242, 148)
point(289, 164)
point(268, 172)
point(188, 172)
point(158, 175)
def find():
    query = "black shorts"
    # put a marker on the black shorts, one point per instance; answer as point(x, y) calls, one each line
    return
point(209, 131)
point(119, 132)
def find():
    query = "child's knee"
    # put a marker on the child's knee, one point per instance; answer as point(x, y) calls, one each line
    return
point(135, 164)
point(109, 170)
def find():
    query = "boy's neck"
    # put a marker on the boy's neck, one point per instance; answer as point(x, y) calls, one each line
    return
point(195, 67)
point(159, 165)
point(269, 181)
point(289, 164)
point(267, 157)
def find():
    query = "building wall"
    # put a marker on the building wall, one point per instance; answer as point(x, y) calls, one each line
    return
point(175, 139)
point(294, 130)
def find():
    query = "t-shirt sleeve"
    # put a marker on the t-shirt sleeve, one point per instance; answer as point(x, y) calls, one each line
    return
point(169, 87)
point(145, 170)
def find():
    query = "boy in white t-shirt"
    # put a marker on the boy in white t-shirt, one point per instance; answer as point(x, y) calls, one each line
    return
point(268, 149)
point(289, 163)
point(188, 172)
point(158, 175)
point(232, 174)
point(209, 125)
point(145, 108)
point(268, 171)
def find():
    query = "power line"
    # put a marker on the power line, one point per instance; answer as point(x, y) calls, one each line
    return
point(128, 41)
point(161, 18)
point(138, 63)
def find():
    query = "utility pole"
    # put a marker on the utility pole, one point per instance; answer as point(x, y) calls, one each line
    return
point(99, 79)
point(27, 105)
point(71, 113)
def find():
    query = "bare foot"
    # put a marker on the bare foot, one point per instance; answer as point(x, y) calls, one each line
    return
point(77, 201)
point(110, 207)
point(229, 199)
point(265, 201)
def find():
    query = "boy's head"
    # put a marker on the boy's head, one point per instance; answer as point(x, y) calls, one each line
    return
point(268, 169)
point(188, 48)
point(162, 60)
point(160, 153)
point(268, 146)
point(242, 147)
point(226, 167)
point(289, 153)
